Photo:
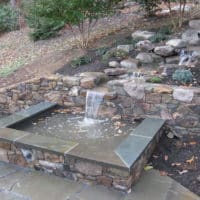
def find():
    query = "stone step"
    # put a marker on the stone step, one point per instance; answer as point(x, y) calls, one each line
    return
point(26, 113)
point(140, 143)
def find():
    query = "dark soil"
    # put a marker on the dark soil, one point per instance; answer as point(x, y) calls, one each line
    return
point(179, 158)
point(97, 64)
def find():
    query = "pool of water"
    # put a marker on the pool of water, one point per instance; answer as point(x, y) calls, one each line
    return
point(72, 126)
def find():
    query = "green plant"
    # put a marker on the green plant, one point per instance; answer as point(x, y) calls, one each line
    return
point(183, 76)
point(167, 30)
point(155, 79)
point(162, 34)
point(83, 60)
point(51, 15)
point(8, 18)
point(158, 37)
point(116, 53)
point(101, 51)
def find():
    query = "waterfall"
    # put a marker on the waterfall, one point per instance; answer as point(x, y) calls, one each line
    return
point(184, 58)
point(93, 102)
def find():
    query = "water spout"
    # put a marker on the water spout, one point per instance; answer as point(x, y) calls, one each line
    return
point(93, 102)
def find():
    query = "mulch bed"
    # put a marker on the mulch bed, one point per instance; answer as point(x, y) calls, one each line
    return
point(179, 158)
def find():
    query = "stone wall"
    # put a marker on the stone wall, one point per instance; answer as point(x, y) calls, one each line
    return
point(63, 90)
point(64, 166)
point(179, 105)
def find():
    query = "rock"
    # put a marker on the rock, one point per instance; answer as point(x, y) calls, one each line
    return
point(104, 180)
point(74, 91)
point(163, 89)
point(184, 95)
point(88, 168)
point(144, 45)
point(129, 63)
point(187, 121)
point(143, 35)
point(136, 91)
point(164, 51)
point(3, 155)
point(113, 64)
point(168, 69)
point(88, 83)
point(148, 58)
point(53, 96)
point(177, 43)
point(191, 37)
point(70, 81)
point(195, 24)
point(145, 58)
point(170, 135)
point(3, 99)
point(172, 60)
point(127, 48)
point(115, 71)
point(98, 76)
point(196, 54)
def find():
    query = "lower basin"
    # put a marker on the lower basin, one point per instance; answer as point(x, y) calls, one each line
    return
point(96, 139)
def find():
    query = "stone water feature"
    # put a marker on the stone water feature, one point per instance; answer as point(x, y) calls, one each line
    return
point(115, 158)
point(109, 151)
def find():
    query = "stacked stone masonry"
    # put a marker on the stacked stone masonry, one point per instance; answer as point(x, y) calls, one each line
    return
point(179, 105)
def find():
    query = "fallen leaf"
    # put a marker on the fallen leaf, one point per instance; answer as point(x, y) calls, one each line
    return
point(148, 167)
point(191, 160)
point(182, 172)
point(193, 143)
point(163, 173)
point(176, 164)
point(166, 157)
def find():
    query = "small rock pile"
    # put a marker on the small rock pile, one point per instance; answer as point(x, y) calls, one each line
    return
point(165, 56)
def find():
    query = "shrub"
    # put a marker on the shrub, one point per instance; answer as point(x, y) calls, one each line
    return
point(183, 76)
point(158, 37)
point(155, 79)
point(83, 60)
point(162, 34)
point(8, 18)
point(114, 53)
point(52, 15)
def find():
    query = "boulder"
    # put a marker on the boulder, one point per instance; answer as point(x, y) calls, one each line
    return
point(113, 64)
point(134, 90)
point(143, 35)
point(145, 45)
point(148, 58)
point(129, 63)
point(164, 51)
point(115, 71)
point(70, 81)
point(177, 43)
point(172, 60)
point(195, 24)
point(192, 36)
point(127, 48)
point(184, 95)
